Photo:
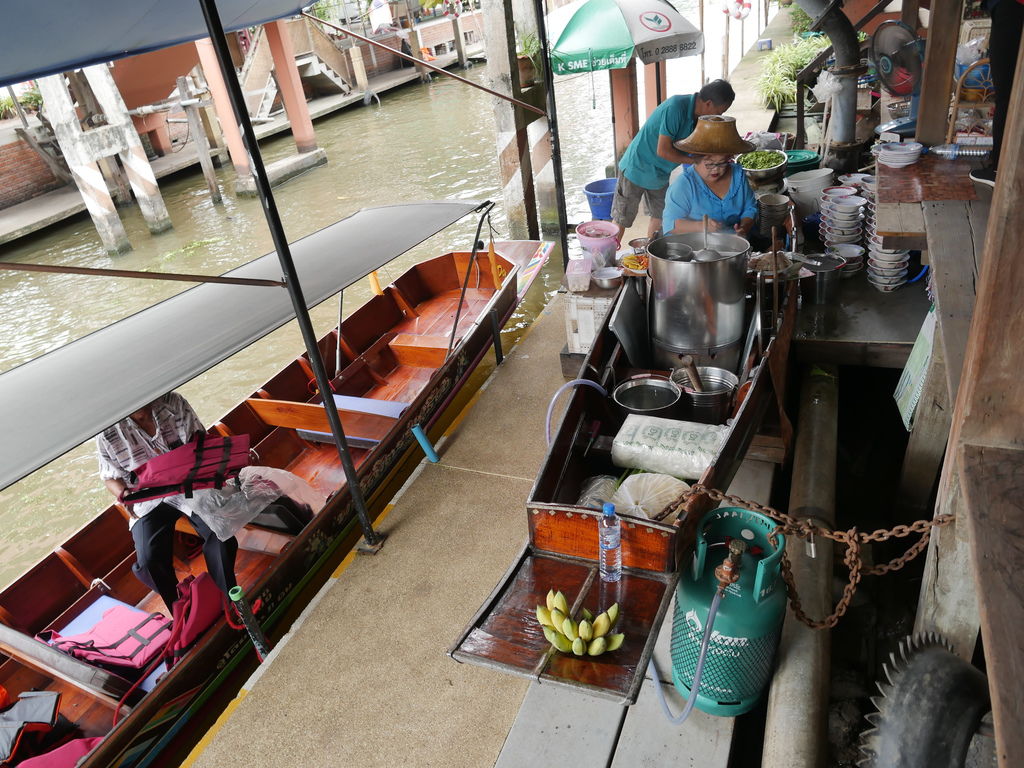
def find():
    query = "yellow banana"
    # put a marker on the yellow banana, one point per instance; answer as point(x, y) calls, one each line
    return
point(597, 646)
point(550, 599)
point(601, 625)
point(613, 614)
point(561, 642)
point(579, 647)
point(561, 603)
point(549, 633)
point(570, 629)
point(586, 631)
point(588, 615)
point(557, 619)
point(544, 616)
point(614, 641)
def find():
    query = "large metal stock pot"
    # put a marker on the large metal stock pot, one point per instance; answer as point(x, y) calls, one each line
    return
point(697, 305)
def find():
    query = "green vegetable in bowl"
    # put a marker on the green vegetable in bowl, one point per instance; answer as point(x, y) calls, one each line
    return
point(761, 159)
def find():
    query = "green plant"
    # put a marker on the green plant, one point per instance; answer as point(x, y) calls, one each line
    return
point(800, 20)
point(529, 46)
point(6, 107)
point(777, 83)
point(31, 99)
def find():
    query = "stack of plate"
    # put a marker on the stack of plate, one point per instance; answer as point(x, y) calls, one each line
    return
point(896, 154)
point(887, 269)
point(772, 211)
point(842, 216)
point(854, 255)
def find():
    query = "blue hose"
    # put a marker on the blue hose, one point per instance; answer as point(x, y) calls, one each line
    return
point(561, 389)
point(698, 672)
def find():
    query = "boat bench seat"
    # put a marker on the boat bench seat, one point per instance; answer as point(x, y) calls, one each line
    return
point(420, 351)
point(366, 420)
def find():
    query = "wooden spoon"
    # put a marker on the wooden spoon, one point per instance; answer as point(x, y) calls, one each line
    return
point(687, 364)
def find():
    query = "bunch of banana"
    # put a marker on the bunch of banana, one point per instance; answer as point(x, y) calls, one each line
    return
point(587, 637)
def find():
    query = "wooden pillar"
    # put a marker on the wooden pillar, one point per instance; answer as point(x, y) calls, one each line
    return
point(937, 78)
point(225, 115)
point(515, 161)
point(987, 435)
point(655, 86)
point(625, 120)
point(460, 42)
point(355, 57)
point(909, 13)
point(290, 85)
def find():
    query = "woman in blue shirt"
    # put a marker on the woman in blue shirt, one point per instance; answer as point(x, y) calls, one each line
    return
point(717, 187)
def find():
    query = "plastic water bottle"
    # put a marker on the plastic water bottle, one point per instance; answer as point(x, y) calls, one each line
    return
point(953, 151)
point(610, 559)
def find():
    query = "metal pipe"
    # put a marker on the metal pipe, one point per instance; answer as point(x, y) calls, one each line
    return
point(831, 20)
point(176, 276)
point(414, 60)
point(795, 728)
point(284, 254)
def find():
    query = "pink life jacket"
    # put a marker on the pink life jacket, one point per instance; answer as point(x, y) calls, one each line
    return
point(125, 637)
point(204, 462)
point(200, 603)
point(66, 756)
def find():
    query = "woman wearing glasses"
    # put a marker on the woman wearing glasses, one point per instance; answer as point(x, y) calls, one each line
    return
point(714, 186)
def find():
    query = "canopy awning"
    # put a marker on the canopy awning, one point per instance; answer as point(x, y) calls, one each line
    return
point(38, 38)
point(56, 401)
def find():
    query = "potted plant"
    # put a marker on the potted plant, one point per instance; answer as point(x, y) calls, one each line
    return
point(528, 55)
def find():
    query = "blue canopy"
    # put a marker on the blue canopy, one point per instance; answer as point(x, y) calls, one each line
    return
point(39, 38)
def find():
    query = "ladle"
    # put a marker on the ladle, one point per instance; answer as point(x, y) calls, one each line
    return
point(687, 364)
point(705, 253)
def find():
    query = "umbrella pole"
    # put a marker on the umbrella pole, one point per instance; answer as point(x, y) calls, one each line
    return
point(703, 77)
point(725, 50)
point(556, 150)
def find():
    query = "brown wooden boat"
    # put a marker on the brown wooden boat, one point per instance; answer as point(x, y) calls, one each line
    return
point(563, 536)
point(398, 349)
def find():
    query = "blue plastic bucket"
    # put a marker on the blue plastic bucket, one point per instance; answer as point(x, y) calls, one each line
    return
point(599, 197)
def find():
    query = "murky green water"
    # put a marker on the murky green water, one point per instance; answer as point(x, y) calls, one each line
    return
point(423, 142)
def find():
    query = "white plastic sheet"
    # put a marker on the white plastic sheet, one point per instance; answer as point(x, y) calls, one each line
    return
point(648, 494)
point(682, 449)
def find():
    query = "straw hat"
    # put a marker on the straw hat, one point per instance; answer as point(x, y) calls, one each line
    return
point(714, 135)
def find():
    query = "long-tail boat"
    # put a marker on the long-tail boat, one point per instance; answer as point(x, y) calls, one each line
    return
point(397, 362)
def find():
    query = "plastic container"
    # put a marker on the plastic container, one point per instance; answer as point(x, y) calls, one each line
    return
point(599, 238)
point(577, 273)
point(599, 197)
point(610, 555)
point(801, 160)
point(953, 151)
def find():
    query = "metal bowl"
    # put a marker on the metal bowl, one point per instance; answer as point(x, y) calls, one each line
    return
point(607, 277)
point(761, 175)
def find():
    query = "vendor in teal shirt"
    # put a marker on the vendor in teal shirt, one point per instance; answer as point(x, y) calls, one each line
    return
point(715, 187)
point(646, 164)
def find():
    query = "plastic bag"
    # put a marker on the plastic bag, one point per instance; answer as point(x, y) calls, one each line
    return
point(649, 495)
point(827, 85)
point(682, 449)
point(970, 52)
point(597, 490)
point(241, 501)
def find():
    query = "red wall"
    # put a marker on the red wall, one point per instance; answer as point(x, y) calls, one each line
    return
point(23, 174)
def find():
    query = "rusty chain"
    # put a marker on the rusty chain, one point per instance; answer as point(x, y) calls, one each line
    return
point(853, 539)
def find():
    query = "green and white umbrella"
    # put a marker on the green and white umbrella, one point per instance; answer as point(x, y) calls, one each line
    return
point(588, 35)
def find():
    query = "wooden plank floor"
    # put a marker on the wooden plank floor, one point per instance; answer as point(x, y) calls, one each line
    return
point(556, 725)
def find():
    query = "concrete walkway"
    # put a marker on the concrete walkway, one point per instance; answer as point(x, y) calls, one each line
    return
point(362, 679)
point(40, 212)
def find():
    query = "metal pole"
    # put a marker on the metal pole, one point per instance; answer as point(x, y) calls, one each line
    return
point(17, 107)
point(703, 77)
point(496, 333)
point(798, 701)
point(556, 149)
point(291, 277)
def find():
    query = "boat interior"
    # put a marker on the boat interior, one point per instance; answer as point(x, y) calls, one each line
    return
point(390, 349)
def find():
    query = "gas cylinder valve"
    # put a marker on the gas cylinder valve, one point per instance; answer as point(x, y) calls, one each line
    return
point(729, 571)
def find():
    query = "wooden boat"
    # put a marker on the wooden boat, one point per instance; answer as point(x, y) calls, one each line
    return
point(395, 370)
point(563, 536)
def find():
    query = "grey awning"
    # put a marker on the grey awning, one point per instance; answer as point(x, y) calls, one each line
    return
point(55, 402)
point(43, 38)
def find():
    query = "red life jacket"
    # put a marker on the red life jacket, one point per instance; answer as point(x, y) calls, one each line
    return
point(125, 637)
point(204, 462)
point(199, 604)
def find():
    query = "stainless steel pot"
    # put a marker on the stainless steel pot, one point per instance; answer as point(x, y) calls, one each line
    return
point(697, 304)
point(648, 395)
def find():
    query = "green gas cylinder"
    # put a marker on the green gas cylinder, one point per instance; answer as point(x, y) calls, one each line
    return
point(749, 620)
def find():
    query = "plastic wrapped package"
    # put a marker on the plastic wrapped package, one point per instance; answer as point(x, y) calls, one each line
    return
point(596, 491)
point(241, 500)
point(682, 449)
point(648, 494)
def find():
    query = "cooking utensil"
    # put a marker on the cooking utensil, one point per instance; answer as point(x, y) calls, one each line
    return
point(794, 256)
point(687, 364)
point(705, 253)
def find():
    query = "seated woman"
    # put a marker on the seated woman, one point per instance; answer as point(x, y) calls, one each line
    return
point(717, 187)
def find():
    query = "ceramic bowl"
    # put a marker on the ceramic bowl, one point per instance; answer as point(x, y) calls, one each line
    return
point(896, 270)
point(886, 257)
point(853, 218)
point(838, 191)
point(842, 229)
point(888, 288)
point(848, 204)
point(899, 277)
point(833, 237)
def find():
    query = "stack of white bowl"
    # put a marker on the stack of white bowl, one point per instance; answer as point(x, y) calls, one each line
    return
point(865, 186)
point(896, 154)
point(854, 255)
point(887, 268)
point(842, 216)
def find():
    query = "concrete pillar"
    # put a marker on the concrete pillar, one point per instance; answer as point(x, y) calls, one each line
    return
point(513, 143)
point(85, 172)
point(415, 43)
point(355, 57)
point(132, 155)
point(225, 115)
point(290, 85)
point(460, 42)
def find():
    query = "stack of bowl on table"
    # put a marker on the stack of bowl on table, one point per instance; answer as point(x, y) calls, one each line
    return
point(772, 211)
point(887, 267)
point(896, 154)
point(842, 225)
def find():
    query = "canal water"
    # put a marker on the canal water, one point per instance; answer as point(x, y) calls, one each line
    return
point(423, 142)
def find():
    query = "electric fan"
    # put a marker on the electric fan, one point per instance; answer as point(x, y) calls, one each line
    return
point(899, 55)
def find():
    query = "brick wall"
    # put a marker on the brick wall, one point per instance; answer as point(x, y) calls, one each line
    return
point(23, 174)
